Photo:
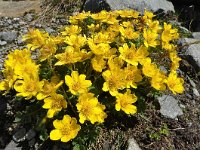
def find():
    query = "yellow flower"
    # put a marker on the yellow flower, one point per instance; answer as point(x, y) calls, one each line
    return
point(4, 85)
point(168, 34)
point(128, 13)
point(154, 26)
point(36, 38)
point(150, 38)
point(101, 49)
point(29, 68)
point(55, 103)
point(158, 81)
point(100, 16)
point(147, 17)
point(75, 40)
point(125, 102)
point(47, 50)
point(98, 63)
point(78, 17)
point(175, 60)
point(114, 80)
point(129, 33)
point(17, 65)
point(132, 55)
point(73, 29)
point(65, 129)
point(132, 75)
point(77, 83)
point(101, 37)
point(71, 55)
point(90, 109)
point(115, 62)
point(48, 89)
point(28, 87)
point(84, 55)
point(149, 69)
point(18, 57)
point(174, 83)
point(110, 19)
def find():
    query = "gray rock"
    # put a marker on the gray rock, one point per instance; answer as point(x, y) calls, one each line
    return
point(162, 68)
point(184, 41)
point(193, 55)
point(8, 36)
point(139, 5)
point(20, 135)
point(12, 146)
point(20, 41)
point(2, 43)
point(30, 134)
point(192, 52)
point(195, 92)
point(29, 17)
point(132, 145)
point(196, 35)
point(49, 30)
point(191, 82)
point(31, 143)
point(169, 107)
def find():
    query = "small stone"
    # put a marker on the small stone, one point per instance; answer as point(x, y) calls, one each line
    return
point(2, 43)
point(20, 135)
point(29, 17)
point(182, 106)
point(191, 82)
point(9, 21)
point(38, 25)
point(133, 145)
point(12, 146)
point(49, 30)
point(8, 36)
point(16, 19)
point(188, 95)
point(169, 107)
point(20, 41)
point(31, 143)
point(195, 92)
point(196, 35)
point(30, 134)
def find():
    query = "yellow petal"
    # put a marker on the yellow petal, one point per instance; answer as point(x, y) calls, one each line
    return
point(55, 134)
point(66, 138)
point(82, 118)
point(50, 113)
point(66, 120)
point(57, 124)
point(117, 107)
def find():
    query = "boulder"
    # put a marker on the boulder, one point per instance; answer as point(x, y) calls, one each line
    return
point(139, 5)
point(169, 107)
point(191, 51)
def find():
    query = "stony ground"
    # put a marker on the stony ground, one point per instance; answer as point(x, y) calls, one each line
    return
point(162, 126)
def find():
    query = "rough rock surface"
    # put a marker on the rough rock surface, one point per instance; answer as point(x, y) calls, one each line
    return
point(169, 107)
point(132, 145)
point(8, 36)
point(196, 35)
point(12, 146)
point(192, 52)
point(152, 5)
